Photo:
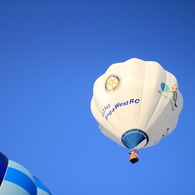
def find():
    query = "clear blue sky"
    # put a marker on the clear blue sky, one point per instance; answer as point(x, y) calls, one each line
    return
point(51, 52)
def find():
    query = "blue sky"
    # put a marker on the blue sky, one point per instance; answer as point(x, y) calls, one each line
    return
point(51, 52)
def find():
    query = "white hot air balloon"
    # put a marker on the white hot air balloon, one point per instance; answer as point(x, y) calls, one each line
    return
point(136, 103)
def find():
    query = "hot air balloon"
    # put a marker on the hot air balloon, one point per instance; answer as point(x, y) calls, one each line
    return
point(136, 103)
point(17, 180)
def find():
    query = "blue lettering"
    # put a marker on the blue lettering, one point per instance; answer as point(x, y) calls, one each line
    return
point(116, 105)
point(108, 110)
point(131, 101)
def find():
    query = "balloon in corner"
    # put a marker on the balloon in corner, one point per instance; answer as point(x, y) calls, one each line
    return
point(17, 180)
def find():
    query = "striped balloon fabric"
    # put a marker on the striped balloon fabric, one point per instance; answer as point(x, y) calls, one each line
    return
point(17, 180)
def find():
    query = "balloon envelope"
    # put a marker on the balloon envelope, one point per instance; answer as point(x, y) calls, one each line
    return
point(17, 180)
point(136, 103)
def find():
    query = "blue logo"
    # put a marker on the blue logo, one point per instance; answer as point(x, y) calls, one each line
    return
point(165, 88)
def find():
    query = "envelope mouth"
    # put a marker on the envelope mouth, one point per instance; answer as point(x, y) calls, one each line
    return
point(133, 138)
